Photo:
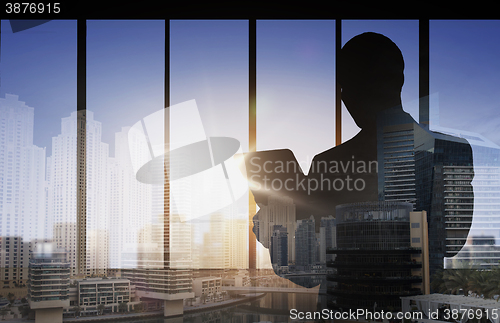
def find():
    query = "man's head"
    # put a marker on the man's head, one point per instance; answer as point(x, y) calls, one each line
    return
point(371, 76)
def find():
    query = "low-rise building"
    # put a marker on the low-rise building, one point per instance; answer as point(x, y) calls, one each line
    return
point(48, 283)
point(208, 288)
point(110, 292)
point(237, 281)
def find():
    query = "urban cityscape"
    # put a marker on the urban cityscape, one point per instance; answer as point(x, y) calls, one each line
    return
point(172, 221)
point(124, 244)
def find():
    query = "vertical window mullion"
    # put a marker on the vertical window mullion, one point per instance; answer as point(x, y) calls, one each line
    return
point(423, 67)
point(338, 98)
point(252, 129)
point(81, 99)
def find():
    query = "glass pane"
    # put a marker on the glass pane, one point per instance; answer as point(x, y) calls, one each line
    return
point(125, 84)
point(209, 64)
point(295, 87)
point(295, 122)
point(37, 177)
point(464, 78)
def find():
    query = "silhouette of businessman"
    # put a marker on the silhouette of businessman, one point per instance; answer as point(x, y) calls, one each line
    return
point(371, 78)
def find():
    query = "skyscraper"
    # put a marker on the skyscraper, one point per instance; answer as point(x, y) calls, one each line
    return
point(189, 177)
point(437, 156)
point(279, 246)
point(375, 255)
point(170, 277)
point(305, 242)
point(81, 192)
point(328, 237)
point(220, 240)
point(129, 205)
point(477, 208)
point(87, 241)
point(238, 242)
point(62, 189)
point(419, 166)
point(280, 210)
point(22, 172)
point(397, 176)
point(22, 190)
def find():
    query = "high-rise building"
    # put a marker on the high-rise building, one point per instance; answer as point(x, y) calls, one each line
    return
point(454, 176)
point(61, 191)
point(214, 250)
point(376, 257)
point(22, 190)
point(279, 246)
point(87, 242)
point(81, 193)
point(419, 234)
point(474, 206)
point(238, 242)
point(163, 268)
point(129, 205)
point(280, 210)
point(170, 277)
point(415, 165)
point(22, 173)
point(97, 198)
point(437, 156)
point(305, 242)
point(397, 174)
point(220, 240)
point(190, 177)
point(327, 238)
point(65, 238)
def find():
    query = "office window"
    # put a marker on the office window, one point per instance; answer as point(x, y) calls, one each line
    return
point(38, 87)
point(125, 83)
point(296, 87)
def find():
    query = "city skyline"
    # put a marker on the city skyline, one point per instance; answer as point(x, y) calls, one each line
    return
point(120, 209)
point(67, 125)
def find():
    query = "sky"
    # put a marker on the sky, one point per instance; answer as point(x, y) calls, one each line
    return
point(125, 72)
point(465, 72)
point(296, 87)
point(209, 63)
point(39, 65)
